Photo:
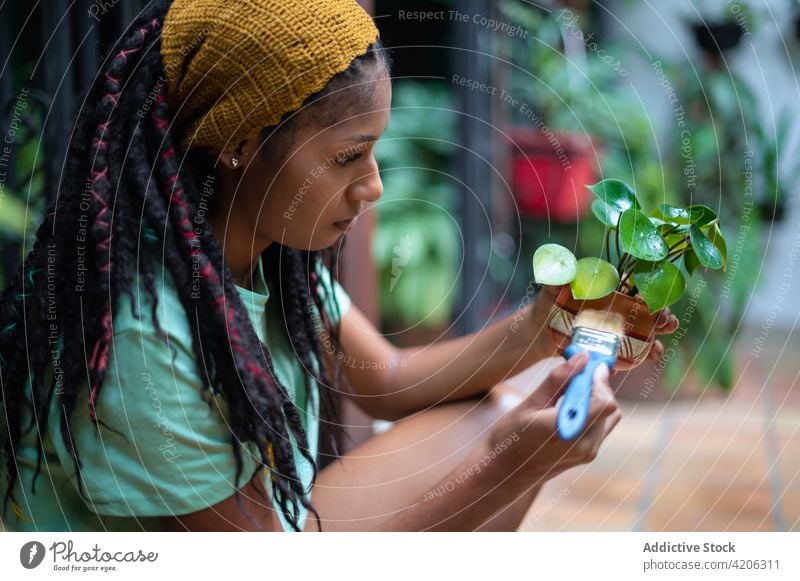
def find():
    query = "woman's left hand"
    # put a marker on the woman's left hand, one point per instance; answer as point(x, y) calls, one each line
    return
point(666, 324)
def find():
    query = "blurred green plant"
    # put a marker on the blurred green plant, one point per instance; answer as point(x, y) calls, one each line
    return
point(416, 246)
point(723, 130)
point(21, 200)
point(585, 93)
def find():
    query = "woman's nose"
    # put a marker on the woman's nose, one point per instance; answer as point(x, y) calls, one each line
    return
point(369, 187)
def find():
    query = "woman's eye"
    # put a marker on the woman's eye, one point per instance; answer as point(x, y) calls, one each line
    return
point(342, 161)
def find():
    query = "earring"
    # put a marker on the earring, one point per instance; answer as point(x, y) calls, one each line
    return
point(235, 162)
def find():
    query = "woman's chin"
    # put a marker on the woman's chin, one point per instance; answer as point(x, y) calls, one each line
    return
point(323, 242)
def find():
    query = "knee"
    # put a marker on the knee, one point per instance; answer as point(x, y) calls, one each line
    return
point(501, 399)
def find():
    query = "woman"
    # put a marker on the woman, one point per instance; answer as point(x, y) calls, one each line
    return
point(161, 343)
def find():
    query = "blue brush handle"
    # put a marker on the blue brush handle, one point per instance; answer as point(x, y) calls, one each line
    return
point(574, 408)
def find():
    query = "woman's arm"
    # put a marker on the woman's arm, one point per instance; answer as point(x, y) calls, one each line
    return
point(391, 382)
point(227, 516)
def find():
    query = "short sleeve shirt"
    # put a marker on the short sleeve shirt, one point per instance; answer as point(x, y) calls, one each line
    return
point(166, 451)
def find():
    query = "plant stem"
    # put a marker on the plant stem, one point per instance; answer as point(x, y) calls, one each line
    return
point(670, 231)
point(672, 257)
point(623, 280)
point(678, 243)
point(608, 245)
point(627, 261)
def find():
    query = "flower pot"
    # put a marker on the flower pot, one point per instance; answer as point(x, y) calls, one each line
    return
point(716, 38)
point(772, 213)
point(640, 323)
point(549, 173)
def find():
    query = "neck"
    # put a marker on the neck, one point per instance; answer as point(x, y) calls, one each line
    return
point(236, 233)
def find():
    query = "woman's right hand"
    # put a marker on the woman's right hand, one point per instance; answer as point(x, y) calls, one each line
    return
point(538, 453)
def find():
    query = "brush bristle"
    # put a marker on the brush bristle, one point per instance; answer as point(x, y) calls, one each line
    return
point(601, 320)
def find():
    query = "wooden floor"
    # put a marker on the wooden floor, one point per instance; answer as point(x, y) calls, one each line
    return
point(708, 463)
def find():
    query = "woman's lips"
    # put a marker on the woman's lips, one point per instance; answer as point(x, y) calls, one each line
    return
point(345, 224)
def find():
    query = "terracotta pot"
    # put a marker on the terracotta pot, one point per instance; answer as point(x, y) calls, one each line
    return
point(640, 323)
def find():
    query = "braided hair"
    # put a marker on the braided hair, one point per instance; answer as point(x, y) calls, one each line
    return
point(125, 204)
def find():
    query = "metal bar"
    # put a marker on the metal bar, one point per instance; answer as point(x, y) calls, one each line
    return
point(57, 83)
point(471, 42)
point(5, 51)
point(88, 26)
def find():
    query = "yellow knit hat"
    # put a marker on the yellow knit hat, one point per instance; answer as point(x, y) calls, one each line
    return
point(234, 67)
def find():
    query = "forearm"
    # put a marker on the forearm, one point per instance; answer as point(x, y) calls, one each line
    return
point(464, 499)
point(477, 488)
point(465, 366)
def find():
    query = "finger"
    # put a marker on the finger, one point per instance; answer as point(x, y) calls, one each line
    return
point(553, 387)
point(667, 322)
point(612, 421)
point(603, 429)
point(656, 351)
point(601, 388)
point(552, 291)
point(603, 403)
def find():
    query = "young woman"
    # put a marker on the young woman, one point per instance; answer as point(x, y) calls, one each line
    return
point(173, 341)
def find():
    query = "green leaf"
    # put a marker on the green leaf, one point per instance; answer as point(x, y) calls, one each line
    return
point(554, 265)
point(664, 227)
point(660, 286)
point(676, 215)
point(639, 237)
point(705, 214)
point(616, 194)
point(595, 278)
point(605, 213)
point(690, 261)
point(704, 248)
point(715, 235)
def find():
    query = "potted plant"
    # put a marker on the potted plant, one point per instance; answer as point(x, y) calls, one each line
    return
point(644, 272)
point(550, 156)
point(547, 185)
point(721, 27)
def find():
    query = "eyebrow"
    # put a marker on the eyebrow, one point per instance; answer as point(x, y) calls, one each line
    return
point(363, 138)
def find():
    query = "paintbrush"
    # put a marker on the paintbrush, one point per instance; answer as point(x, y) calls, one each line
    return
point(600, 333)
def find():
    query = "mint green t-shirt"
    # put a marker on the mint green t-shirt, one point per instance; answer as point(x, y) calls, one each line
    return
point(169, 452)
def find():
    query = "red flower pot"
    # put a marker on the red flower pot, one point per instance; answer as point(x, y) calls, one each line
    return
point(640, 323)
point(550, 172)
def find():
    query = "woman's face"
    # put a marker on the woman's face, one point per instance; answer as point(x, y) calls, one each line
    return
point(328, 177)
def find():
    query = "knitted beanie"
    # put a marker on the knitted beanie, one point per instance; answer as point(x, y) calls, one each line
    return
point(236, 66)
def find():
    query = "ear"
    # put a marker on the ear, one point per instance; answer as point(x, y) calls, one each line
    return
point(243, 154)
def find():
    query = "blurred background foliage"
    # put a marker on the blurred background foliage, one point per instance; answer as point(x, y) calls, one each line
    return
point(575, 92)
point(416, 245)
